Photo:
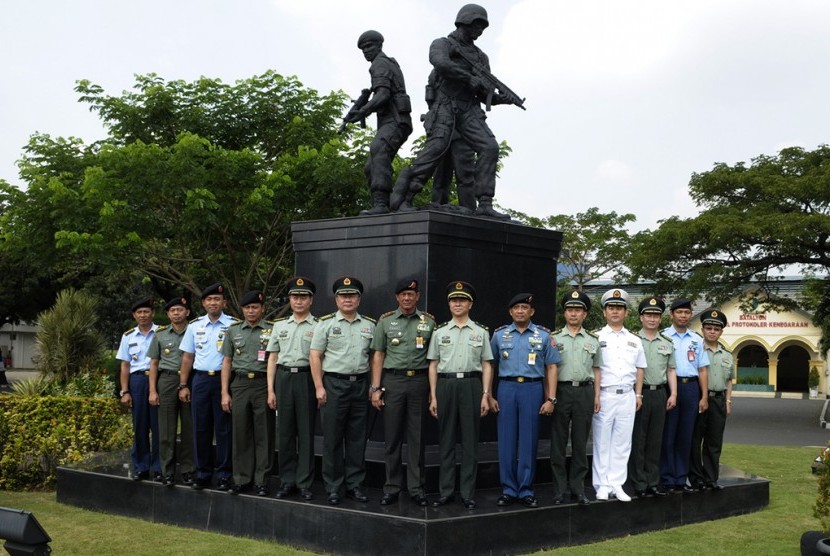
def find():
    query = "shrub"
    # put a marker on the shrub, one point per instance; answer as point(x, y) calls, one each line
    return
point(39, 433)
point(752, 379)
point(813, 378)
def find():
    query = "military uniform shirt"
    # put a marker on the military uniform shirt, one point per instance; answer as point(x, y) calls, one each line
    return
point(622, 355)
point(524, 353)
point(688, 352)
point(397, 336)
point(292, 340)
point(165, 347)
point(460, 349)
point(580, 354)
point(245, 344)
point(205, 339)
point(345, 344)
point(659, 358)
point(721, 368)
point(133, 348)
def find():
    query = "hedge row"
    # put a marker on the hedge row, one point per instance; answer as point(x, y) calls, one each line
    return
point(39, 433)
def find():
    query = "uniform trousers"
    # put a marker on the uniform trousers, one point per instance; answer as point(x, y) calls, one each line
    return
point(404, 413)
point(210, 420)
point(613, 426)
point(343, 420)
point(707, 443)
point(388, 139)
point(297, 412)
point(459, 412)
point(171, 409)
point(253, 430)
point(677, 435)
point(145, 451)
point(572, 417)
point(644, 462)
point(518, 429)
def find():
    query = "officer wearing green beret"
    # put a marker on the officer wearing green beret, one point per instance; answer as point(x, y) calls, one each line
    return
point(460, 374)
point(245, 396)
point(400, 388)
point(339, 360)
point(577, 398)
point(165, 360)
point(707, 440)
point(291, 389)
point(659, 396)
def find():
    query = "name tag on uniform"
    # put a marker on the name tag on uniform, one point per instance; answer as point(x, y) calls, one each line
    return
point(531, 358)
point(260, 355)
point(419, 343)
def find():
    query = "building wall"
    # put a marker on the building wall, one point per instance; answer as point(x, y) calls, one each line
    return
point(19, 341)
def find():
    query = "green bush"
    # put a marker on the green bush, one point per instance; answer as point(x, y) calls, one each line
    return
point(86, 385)
point(752, 379)
point(39, 433)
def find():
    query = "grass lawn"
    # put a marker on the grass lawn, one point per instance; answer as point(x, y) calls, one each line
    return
point(775, 530)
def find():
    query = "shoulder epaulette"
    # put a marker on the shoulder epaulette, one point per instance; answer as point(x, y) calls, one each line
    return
point(162, 327)
point(369, 319)
point(485, 327)
point(235, 323)
point(555, 332)
point(500, 327)
point(235, 320)
point(430, 315)
point(327, 317)
point(442, 325)
point(666, 338)
point(723, 347)
point(130, 331)
point(386, 314)
point(594, 334)
point(280, 319)
point(270, 322)
point(544, 328)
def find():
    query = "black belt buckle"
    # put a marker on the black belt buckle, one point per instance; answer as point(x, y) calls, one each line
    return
point(619, 391)
point(520, 379)
point(576, 384)
point(410, 372)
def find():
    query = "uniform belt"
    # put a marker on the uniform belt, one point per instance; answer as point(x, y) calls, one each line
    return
point(288, 369)
point(251, 376)
point(713, 394)
point(471, 374)
point(406, 372)
point(142, 372)
point(209, 373)
point(617, 389)
point(521, 378)
point(654, 386)
point(350, 378)
point(686, 379)
point(576, 383)
point(169, 372)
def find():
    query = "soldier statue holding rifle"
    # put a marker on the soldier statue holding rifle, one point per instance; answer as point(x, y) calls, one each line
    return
point(463, 82)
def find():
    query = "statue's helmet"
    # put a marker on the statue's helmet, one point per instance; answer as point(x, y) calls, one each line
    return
point(369, 37)
point(470, 13)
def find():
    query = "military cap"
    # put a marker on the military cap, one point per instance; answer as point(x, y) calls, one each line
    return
point(576, 299)
point(461, 289)
point(713, 316)
point(652, 305)
point(615, 296)
point(405, 284)
point(369, 37)
point(176, 301)
point(681, 303)
point(347, 284)
point(250, 297)
point(469, 13)
point(521, 298)
point(214, 289)
point(147, 302)
point(299, 285)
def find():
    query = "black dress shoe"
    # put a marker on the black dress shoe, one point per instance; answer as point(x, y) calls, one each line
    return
point(559, 499)
point(642, 493)
point(686, 489)
point(333, 498)
point(530, 502)
point(261, 490)
point(234, 489)
point(657, 491)
point(224, 483)
point(582, 499)
point(469, 503)
point(285, 491)
point(187, 478)
point(157, 476)
point(199, 484)
point(306, 494)
point(169, 481)
point(143, 476)
point(716, 486)
point(419, 499)
point(505, 500)
point(356, 494)
point(443, 501)
point(389, 498)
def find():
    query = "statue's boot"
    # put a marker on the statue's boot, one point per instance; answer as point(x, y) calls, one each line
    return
point(485, 209)
point(380, 204)
point(400, 191)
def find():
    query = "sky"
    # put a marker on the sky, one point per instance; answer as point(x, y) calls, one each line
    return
point(625, 99)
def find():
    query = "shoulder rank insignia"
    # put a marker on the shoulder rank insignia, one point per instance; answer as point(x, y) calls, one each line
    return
point(327, 317)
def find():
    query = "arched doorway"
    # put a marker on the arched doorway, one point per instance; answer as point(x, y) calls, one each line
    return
point(753, 361)
point(793, 368)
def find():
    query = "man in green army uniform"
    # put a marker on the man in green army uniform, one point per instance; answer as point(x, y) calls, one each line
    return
point(339, 360)
point(400, 388)
point(245, 396)
point(707, 440)
point(291, 389)
point(659, 396)
point(165, 361)
point(578, 398)
point(460, 375)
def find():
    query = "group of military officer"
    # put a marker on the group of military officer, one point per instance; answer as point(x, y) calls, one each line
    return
point(657, 401)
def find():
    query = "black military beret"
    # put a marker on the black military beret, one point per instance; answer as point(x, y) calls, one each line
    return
point(461, 289)
point(214, 289)
point(300, 285)
point(253, 296)
point(681, 303)
point(148, 302)
point(713, 316)
point(347, 284)
point(521, 298)
point(176, 301)
point(652, 305)
point(576, 299)
point(406, 284)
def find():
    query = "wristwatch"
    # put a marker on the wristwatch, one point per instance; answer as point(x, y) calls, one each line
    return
point(552, 400)
point(123, 392)
point(374, 388)
point(182, 386)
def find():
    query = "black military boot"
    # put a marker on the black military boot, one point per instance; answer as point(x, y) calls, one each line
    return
point(380, 204)
point(485, 209)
